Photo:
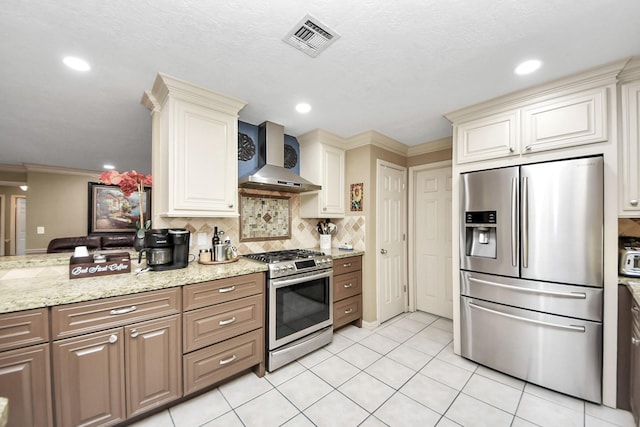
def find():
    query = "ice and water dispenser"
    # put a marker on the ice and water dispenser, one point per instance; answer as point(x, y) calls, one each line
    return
point(480, 234)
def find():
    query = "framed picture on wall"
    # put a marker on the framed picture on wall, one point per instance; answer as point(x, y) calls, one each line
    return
point(110, 211)
point(357, 197)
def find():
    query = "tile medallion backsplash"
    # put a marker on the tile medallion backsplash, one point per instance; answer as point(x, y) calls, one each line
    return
point(351, 230)
point(264, 217)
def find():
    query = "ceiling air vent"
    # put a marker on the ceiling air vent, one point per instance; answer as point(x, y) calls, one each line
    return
point(310, 36)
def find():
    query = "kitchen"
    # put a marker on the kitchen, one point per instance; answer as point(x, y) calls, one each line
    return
point(372, 151)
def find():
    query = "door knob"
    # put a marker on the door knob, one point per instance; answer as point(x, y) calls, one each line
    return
point(383, 251)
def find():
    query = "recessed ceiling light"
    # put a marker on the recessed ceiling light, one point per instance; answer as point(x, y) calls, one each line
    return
point(76, 63)
point(303, 108)
point(527, 67)
point(108, 167)
point(24, 187)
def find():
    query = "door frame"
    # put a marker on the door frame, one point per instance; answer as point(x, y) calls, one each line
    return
point(411, 241)
point(3, 210)
point(379, 165)
point(12, 225)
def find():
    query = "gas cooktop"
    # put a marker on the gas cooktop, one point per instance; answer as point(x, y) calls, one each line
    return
point(292, 261)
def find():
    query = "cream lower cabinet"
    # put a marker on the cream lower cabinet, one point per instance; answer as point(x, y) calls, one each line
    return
point(25, 377)
point(105, 377)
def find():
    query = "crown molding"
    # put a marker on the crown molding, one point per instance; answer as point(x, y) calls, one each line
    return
point(594, 77)
point(373, 137)
point(320, 135)
point(12, 168)
point(430, 147)
point(631, 71)
point(32, 167)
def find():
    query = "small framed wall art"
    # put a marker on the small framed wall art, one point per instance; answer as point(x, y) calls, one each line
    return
point(357, 197)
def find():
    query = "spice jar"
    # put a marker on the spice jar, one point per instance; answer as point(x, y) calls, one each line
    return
point(205, 255)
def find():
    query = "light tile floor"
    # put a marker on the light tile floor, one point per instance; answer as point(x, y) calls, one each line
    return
point(403, 373)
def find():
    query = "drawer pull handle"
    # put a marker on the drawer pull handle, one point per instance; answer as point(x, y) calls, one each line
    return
point(113, 338)
point(348, 285)
point(225, 290)
point(226, 322)
point(634, 202)
point(229, 360)
point(349, 311)
point(635, 341)
point(346, 265)
point(119, 311)
point(134, 333)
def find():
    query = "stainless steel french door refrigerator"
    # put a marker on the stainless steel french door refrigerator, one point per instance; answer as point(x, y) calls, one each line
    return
point(531, 267)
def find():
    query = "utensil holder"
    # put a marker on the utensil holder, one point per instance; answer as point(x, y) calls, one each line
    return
point(325, 241)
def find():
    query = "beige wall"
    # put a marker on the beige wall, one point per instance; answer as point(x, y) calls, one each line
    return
point(436, 156)
point(59, 203)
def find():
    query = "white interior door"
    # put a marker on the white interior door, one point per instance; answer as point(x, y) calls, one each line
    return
point(20, 225)
point(431, 219)
point(391, 244)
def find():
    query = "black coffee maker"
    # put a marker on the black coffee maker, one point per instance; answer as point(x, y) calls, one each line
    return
point(166, 248)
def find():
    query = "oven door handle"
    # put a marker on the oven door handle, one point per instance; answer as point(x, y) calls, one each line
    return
point(281, 283)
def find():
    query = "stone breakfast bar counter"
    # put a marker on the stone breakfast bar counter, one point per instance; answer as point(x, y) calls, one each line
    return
point(36, 281)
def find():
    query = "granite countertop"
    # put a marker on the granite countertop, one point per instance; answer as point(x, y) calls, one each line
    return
point(24, 293)
point(36, 292)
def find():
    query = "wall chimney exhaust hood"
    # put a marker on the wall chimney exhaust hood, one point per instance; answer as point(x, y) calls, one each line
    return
point(271, 173)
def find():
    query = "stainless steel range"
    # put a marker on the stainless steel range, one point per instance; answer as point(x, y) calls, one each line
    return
point(299, 303)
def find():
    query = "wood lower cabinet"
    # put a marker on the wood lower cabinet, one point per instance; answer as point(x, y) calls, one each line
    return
point(105, 377)
point(634, 386)
point(347, 291)
point(223, 330)
point(25, 375)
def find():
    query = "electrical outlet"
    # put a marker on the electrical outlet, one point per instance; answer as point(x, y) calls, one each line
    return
point(202, 239)
point(40, 230)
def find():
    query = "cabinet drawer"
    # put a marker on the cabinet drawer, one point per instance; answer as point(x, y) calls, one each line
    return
point(347, 265)
point(347, 285)
point(347, 310)
point(212, 364)
point(210, 325)
point(84, 317)
point(223, 290)
point(23, 328)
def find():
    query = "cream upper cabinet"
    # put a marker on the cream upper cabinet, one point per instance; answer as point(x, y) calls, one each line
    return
point(560, 116)
point(194, 150)
point(566, 121)
point(322, 162)
point(490, 137)
point(629, 155)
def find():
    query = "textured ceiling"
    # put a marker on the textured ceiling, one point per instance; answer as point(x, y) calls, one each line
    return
point(397, 67)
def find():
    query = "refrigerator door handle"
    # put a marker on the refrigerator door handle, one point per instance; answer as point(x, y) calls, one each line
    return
point(514, 222)
point(525, 222)
point(577, 295)
point(575, 328)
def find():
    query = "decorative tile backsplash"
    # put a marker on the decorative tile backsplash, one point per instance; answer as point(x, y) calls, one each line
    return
point(264, 217)
point(351, 229)
point(629, 227)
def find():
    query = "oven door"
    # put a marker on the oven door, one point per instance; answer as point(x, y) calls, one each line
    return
point(299, 305)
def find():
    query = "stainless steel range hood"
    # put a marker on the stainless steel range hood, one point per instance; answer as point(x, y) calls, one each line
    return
point(271, 173)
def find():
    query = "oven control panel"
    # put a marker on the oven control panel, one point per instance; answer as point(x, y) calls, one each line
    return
point(287, 268)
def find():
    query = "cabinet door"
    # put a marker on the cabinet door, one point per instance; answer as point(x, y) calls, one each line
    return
point(203, 170)
point(630, 156)
point(489, 137)
point(153, 364)
point(332, 181)
point(634, 389)
point(25, 381)
point(89, 379)
point(567, 121)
